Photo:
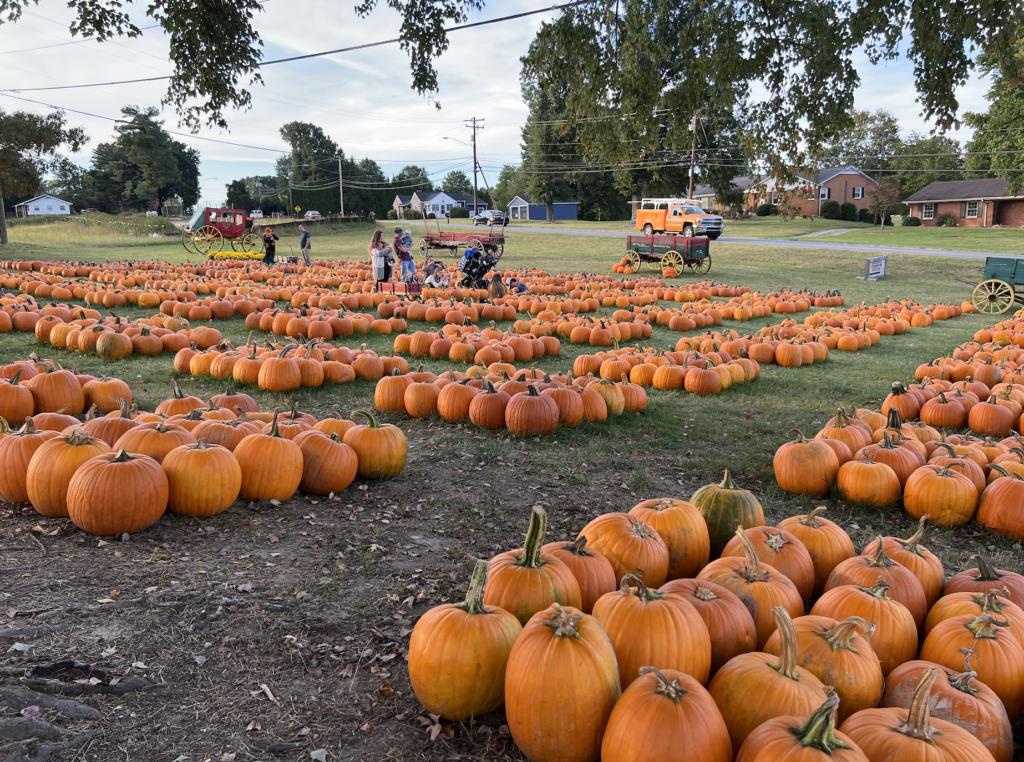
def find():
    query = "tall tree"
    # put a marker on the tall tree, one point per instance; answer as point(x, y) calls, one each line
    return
point(923, 159)
point(999, 132)
point(509, 185)
point(869, 143)
point(28, 149)
point(410, 179)
point(456, 181)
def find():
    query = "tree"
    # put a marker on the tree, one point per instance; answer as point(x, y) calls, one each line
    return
point(238, 197)
point(456, 181)
point(923, 159)
point(869, 143)
point(143, 167)
point(411, 179)
point(28, 149)
point(510, 184)
point(884, 200)
point(999, 133)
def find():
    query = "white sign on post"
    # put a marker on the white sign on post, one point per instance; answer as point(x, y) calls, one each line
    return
point(877, 268)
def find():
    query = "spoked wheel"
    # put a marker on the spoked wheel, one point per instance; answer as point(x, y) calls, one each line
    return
point(672, 259)
point(208, 240)
point(423, 248)
point(188, 241)
point(700, 265)
point(250, 242)
point(993, 297)
point(477, 244)
point(633, 260)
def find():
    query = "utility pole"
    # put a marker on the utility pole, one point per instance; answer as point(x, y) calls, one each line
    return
point(693, 149)
point(474, 123)
point(3, 219)
point(341, 190)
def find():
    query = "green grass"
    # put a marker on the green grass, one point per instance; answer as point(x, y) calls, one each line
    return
point(996, 240)
point(755, 227)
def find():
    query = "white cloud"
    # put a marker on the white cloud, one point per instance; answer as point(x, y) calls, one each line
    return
point(362, 99)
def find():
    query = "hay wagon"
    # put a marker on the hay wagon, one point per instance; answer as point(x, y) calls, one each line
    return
point(669, 251)
point(210, 227)
point(1001, 286)
point(453, 240)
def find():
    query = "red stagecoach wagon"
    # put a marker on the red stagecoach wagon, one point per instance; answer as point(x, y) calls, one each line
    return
point(211, 226)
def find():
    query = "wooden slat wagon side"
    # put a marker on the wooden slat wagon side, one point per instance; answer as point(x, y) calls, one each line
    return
point(669, 251)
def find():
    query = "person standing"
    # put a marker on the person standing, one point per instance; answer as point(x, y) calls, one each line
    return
point(270, 240)
point(403, 254)
point(379, 257)
point(306, 245)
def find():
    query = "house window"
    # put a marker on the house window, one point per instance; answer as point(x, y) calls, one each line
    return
point(775, 199)
point(35, 208)
point(824, 192)
point(858, 192)
point(971, 212)
point(63, 208)
point(927, 211)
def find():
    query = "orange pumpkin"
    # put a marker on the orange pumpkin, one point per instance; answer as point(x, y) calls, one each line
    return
point(683, 529)
point(592, 571)
point(630, 545)
point(116, 492)
point(800, 739)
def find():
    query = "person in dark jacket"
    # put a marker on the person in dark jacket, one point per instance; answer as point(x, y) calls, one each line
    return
point(270, 240)
point(306, 245)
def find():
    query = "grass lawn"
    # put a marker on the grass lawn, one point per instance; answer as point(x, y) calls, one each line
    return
point(315, 598)
point(755, 227)
point(996, 240)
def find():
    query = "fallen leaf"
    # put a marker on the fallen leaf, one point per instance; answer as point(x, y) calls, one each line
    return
point(253, 726)
point(110, 651)
point(200, 659)
point(139, 665)
point(319, 755)
point(20, 648)
point(228, 756)
point(31, 711)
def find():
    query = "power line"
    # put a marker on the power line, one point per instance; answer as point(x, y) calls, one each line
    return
point(306, 56)
point(68, 42)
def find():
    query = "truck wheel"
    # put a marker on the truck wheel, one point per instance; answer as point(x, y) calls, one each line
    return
point(648, 229)
point(688, 230)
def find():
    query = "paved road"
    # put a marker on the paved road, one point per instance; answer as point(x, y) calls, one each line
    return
point(789, 243)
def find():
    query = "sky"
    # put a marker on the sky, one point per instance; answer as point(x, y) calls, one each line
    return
point(362, 99)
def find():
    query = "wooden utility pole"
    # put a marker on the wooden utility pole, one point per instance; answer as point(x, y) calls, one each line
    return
point(474, 123)
point(341, 190)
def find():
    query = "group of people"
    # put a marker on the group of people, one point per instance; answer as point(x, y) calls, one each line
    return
point(270, 239)
point(383, 257)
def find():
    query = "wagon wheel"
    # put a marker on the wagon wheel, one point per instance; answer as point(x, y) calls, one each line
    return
point(633, 259)
point(993, 297)
point(237, 244)
point(700, 265)
point(672, 258)
point(188, 241)
point(477, 244)
point(208, 240)
point(249, 242)
point(424, 246)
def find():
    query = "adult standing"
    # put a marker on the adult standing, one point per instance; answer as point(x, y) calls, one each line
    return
point(306, 245)
point(380, 259)
point(270, 240)
point(404, 256)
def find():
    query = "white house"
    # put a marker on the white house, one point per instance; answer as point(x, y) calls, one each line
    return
point(437, 203)
point(44, 204)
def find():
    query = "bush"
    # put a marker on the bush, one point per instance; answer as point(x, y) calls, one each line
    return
point(865, 215)
point(764, 210)
point(392, 214)
point(911, 221)
point(831, 210)
point(946, 221)
point(431, 216)
point(412, 214)
point(848, 212)
point(459, 212)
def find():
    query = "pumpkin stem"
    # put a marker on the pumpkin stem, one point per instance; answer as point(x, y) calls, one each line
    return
point(880, 590)
point(819, 732)
point(563, 623)
point(274, 431)
point(879, 558)
point(962, 681)
point(578, 547)
point(534, 539)
point(811, 519)
point(999, 469)
point(917, 724)
point(727, 482)
point(894, 420)
point(985, 627)
point(665, 687)
point(176, 391)
point(913, 543)
point(841, 634)
point(643, 592)
point(787, 644)
point(474, 603)
point(751, 570)
point(986, 571)
point(122, 456)
point(703, 593)
point(371, 419)
point(14, 379)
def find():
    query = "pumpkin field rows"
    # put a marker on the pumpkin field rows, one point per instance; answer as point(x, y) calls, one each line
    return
point(275, 617)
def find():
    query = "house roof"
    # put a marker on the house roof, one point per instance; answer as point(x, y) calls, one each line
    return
point(42, 195)
point(741, 182)
point(964, 190)
point(824, 175)
point(404, 200)
point(531, 202)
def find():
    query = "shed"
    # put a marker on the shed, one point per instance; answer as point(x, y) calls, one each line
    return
point(43, 205)
point(523, 208)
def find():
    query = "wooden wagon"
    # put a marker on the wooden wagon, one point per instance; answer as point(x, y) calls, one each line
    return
point(211, 226)
point(453, 240)
point(1001, 286)
point(669, 251)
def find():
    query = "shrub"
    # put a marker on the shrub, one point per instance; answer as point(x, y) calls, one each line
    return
point(911, 221)
point(459, 211)
point(412, 214)
point(392, 214)
point(946, 221)
point(848, 212)
point(865, 215)
point(431, 216)
point(831, 210)
point(764, 210)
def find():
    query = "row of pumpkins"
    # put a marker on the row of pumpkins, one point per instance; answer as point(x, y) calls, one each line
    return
point(119, 472)
point(627, 644)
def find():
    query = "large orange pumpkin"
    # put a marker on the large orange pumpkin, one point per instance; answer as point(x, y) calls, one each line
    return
point(782, 551)
point(910, 553)
point(806, 467)
point(51, 467)
point(16, 450)
point(117, 492)
point(630, 545)
point(458, 653)
point(802, 739)
point(328, 464)
point(382, 449)
point(271, 465)
point(984, 577)
point(592, 571)
point(827, 542)
point(202, 479)
point(729, 622)
point(683, 529)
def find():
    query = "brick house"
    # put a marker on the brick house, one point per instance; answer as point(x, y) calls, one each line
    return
point(807, 192)
point(709, 200)
point(979, 203)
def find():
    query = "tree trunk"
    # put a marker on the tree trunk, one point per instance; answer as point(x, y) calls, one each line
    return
point(550, 206)
point(3, 219)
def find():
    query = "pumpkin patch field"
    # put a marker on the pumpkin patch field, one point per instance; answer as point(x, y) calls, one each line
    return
point(203, 562)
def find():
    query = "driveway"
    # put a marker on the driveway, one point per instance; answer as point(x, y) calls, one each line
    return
point(786, 243)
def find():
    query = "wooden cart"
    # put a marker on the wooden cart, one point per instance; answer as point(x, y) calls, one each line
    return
point(1001, 286)
point(669, 251)
point(453, 240)
point(211, 226)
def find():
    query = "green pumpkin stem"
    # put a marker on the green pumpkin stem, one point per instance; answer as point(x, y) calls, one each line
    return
point(986, 627)
point(919, 714)
point(727, 482)
point(819, 732)
point(787, 644)
point(841, 634)
point(371, 419)
point(474, 603)
point(632, 582)
point(663, 685)
point(534, 539)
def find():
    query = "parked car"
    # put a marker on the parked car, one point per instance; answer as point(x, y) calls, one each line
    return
point(312, 214)
point(256, 214)
point(490, 217)
point(151, 213)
